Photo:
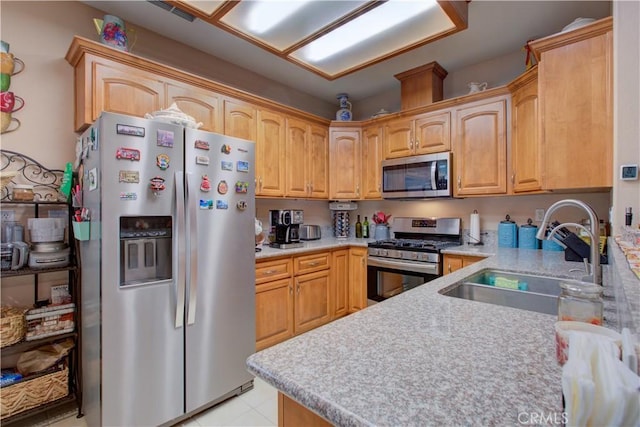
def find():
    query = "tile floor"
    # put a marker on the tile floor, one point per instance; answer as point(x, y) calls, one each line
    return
point(257, 407)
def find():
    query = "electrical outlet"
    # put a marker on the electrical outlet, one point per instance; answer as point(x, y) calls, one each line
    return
point(7, 215)
point(539, 215)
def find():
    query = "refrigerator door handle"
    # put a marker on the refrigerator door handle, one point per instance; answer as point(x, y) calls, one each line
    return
point(192, 211)
point(181, 224)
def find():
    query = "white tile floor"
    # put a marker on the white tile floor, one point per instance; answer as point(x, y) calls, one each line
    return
point(257, 407)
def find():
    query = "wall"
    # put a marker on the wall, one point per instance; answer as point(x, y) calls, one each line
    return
point(495, 71)
point(40, 33)
point(492, 210)
point(626, 110)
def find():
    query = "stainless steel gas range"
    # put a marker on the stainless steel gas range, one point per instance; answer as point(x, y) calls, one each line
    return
point(412, 257)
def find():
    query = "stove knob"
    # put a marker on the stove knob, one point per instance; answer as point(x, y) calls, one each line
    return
point(384, 252)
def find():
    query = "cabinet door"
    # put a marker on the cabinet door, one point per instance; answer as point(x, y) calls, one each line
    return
point(274, 312)
point(357, 279)
point(398, 138)
point(451, 263)
point(318, 162)
point(372, 162)
point(525, 144)
point(576, 104)
point(203, 105)
point(270, 156)
point(311, 301)
point(468, 260)
point(481, 149)
point(296, 181)
point(240, 119)
point(125, 90)
point(339, 283)
point(345, 160)
point(433, 133)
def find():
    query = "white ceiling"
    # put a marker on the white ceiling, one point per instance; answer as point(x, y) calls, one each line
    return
point(496, 28)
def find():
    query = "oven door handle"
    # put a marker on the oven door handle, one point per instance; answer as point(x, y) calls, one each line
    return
point(426, 268)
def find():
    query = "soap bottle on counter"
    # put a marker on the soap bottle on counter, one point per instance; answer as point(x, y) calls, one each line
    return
point(365, 228)
point(358, 228)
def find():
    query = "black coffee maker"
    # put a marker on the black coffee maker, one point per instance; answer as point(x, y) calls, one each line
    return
point(285, 226)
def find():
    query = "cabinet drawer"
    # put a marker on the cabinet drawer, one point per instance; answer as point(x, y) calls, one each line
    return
point(310, 263)
point(273, 270)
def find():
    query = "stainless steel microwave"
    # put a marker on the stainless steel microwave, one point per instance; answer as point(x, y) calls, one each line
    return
point(417, 177)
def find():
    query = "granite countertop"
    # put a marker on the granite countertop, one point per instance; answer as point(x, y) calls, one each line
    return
point(312, 245)
point(422, 358)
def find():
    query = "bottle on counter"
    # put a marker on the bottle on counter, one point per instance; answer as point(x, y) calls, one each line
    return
point(365, 228)
point(358, 228)
point(581, 302)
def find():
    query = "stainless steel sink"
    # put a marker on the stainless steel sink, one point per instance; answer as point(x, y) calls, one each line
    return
point(541, 296)
point(538, 284)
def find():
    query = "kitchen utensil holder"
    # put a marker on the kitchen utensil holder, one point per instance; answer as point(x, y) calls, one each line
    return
point(82, 230)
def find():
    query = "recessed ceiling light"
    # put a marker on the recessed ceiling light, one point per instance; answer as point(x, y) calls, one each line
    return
point(266, 14)
point(378, 20)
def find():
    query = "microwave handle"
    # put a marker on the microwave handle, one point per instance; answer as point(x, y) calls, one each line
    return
point(434, 185)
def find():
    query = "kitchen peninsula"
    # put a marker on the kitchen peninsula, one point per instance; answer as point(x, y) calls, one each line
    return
point(422, 358)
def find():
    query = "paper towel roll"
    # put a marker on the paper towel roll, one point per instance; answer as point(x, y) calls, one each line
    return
point(474, 228)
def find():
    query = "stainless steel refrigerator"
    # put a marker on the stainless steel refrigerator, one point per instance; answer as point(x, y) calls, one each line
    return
point(168, 270)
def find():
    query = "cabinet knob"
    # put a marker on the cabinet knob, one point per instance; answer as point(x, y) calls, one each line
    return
point(358, 190)
point(459, 182)
point(260, 183)
point(449, 268)
point(290, 290)
point(513, 178)
point(417, 143)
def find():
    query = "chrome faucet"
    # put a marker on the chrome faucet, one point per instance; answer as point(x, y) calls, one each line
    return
point(596, 271)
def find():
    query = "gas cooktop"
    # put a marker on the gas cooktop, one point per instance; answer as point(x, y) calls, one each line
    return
point(421, 245)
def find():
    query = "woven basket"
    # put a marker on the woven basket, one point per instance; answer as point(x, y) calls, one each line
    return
point(12, 325)
point(28, 394)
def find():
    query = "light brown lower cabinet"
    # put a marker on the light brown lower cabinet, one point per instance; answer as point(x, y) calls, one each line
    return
point(300, 293)
point(453, 262)
point(293, 414)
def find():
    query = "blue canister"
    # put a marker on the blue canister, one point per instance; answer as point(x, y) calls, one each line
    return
point(507, 233)
point(550, 245)
point(527, 236)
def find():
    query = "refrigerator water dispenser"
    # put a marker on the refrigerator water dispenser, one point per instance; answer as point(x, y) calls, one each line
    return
point(145, 249)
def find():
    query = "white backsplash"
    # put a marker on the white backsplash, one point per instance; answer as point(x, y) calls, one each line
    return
point(492, 210)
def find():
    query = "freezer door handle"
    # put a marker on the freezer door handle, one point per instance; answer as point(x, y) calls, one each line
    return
point(181, 225)
point(192, 211)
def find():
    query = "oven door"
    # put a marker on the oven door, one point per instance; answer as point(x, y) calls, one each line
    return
point(388, 277)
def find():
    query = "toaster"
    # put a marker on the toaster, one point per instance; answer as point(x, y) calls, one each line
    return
point(309, 232)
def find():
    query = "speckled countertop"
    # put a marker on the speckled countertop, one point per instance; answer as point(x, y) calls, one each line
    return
point(422, 358)
point(312, 245)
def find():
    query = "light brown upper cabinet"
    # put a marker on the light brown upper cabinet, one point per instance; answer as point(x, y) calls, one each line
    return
point(240, 119)
point(119, 88)
point(421, 134)
point(575, 81)
point(372, 161)
point(526, 168)
point(203, 105)
point(270, 157)
point(346, 163)
point(480, 148)
point(307, 153)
